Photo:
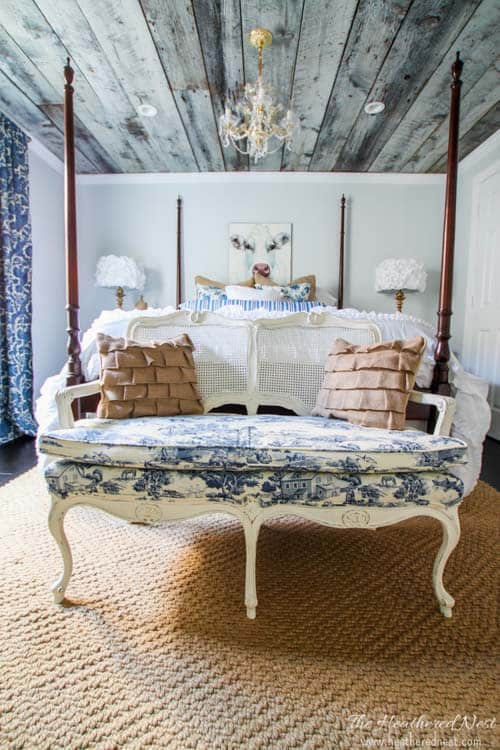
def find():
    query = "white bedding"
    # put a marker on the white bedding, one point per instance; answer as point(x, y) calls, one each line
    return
point(472, 416)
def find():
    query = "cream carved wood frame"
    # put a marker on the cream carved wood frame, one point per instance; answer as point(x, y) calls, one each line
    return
point(250, 336)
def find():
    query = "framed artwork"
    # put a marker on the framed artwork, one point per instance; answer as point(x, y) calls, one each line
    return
point(260, 248)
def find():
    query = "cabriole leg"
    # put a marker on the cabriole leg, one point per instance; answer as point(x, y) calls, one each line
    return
point(251, 529)
point(56, 526)
point(451, 534)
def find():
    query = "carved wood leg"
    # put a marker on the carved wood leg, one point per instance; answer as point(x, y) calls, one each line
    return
point(251, 529)
point(56, 525)
point(451, 534)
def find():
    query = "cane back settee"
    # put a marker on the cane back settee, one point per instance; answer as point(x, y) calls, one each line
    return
point(254, 466)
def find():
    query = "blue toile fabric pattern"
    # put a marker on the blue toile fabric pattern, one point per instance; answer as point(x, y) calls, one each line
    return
point(233, 442)
point(267, 488)
point(16, 374)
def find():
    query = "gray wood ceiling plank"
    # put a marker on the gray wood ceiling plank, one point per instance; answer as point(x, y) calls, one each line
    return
point(19, 108)
point(283, 19)
point(478, 133)
point(124, 37)
point(373, 30)
point(30, 80)
point(474, 105)
point(478, 45)
point(219, 29)
point(74, 31)
point(86, 142)
point(325, 28)
point(30, 30)
point(174, 31)
point(428, 30)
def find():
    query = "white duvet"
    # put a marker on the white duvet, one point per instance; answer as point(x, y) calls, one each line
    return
point(472, 417)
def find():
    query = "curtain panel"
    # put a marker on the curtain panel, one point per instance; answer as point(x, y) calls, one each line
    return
point(16, 367)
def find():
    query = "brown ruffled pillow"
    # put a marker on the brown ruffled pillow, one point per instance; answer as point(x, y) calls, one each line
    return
point(147, 380)
point(265, 281)
point(370, 384)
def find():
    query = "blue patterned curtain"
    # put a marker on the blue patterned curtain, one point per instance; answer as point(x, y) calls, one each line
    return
point(16, 369)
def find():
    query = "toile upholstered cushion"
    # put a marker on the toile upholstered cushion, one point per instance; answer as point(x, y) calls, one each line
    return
point(370, 384)
point(267, 488)
point(142, 380)
point(233, 442)
point(311, 280)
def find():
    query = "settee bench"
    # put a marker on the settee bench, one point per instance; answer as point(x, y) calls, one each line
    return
point(254, 466)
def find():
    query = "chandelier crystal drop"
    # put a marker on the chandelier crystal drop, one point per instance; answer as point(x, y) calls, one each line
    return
point(258, 125)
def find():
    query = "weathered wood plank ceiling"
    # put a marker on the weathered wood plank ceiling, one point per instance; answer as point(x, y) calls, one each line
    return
point(328, 56)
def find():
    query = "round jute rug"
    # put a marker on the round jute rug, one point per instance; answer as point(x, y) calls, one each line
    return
point(153, 648)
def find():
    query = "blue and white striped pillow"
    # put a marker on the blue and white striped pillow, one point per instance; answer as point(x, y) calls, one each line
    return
point(208, 304)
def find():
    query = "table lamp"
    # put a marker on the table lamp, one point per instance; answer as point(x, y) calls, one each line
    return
point(400, 275)
point(121, 272)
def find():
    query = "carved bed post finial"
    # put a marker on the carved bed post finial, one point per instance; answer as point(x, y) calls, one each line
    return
point(340, 295)
point(178, 295)
point(74, 367)
point(440, 383)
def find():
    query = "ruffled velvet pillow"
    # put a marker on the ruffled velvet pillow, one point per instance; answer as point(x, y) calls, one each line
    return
point(370, 384)
point(147, 380)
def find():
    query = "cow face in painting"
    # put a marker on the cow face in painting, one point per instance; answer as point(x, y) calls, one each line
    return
point(261, 248)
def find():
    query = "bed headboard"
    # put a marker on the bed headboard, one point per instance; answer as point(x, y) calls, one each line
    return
point(340, 292)
point(272, 362)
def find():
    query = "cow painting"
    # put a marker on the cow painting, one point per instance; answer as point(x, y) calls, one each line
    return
point(260, 248)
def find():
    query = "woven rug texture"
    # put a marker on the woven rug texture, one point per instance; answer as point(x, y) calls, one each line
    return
point(153, 648)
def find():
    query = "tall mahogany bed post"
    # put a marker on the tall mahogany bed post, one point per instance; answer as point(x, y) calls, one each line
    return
point(340, 294)
point(178, 295)
point(74, 366)
point(440, 382)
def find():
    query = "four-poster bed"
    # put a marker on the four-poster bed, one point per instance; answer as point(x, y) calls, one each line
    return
point(167, 468)
point(440, 381)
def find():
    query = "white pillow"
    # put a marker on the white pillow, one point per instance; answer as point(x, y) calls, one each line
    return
point(325, 297)
point(268, 294)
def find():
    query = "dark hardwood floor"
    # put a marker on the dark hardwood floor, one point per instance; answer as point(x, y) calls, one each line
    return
point(20, 455)
point(16, 458)
point(490, 471)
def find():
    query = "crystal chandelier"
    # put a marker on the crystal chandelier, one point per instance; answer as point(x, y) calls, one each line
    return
point(265, 126)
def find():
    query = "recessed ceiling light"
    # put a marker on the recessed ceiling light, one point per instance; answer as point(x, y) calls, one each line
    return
point(373, 108)
point(147, 110)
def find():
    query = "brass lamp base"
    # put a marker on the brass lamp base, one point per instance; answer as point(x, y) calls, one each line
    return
point(400, 298)
point(120, 294)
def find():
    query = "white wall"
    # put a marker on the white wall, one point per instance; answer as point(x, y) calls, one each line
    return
point(49, 296)
point(388, 215)
point(474, 164)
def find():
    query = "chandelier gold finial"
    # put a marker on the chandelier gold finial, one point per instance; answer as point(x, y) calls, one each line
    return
point(256, 118)
point(260, 38)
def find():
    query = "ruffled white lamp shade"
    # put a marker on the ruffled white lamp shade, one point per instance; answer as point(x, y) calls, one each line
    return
point(399, 275)
point(121, 272)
